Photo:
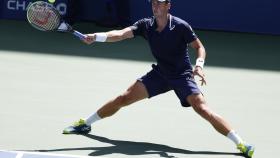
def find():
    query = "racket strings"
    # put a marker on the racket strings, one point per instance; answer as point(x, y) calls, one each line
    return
point(43, 17)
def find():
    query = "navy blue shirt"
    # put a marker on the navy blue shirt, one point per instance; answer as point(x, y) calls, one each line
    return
point(170, 46)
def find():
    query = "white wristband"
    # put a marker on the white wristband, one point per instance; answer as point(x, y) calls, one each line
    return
point(101, 37)
point(200, 62)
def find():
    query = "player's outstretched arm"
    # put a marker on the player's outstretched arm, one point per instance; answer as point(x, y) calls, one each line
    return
point(110, 36)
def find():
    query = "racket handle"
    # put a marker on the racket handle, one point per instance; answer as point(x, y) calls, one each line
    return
point(79, 35)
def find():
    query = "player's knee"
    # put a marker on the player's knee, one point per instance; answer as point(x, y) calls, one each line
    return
point(199, 105)
point(203, 110)
point(123, 100)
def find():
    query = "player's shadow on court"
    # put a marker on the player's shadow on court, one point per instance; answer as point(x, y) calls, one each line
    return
point(137, 148)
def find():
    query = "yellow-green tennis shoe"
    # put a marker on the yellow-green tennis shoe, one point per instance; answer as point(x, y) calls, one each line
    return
point(79, 127)
point(246, 149)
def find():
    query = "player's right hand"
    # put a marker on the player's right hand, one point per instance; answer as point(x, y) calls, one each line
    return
point(90, 38)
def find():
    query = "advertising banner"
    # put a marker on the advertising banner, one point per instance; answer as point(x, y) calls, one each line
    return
point(16, 9)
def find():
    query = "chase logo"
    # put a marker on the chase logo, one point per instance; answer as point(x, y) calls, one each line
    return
point(22, 5)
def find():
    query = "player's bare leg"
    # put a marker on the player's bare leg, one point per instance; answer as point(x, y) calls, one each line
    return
point(198, 103)
point(134, 93)
point(137, 91)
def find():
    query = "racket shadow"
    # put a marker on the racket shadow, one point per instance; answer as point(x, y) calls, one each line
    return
point(137, 148)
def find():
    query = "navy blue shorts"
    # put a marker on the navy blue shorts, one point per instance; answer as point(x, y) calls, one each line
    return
point(183, 86)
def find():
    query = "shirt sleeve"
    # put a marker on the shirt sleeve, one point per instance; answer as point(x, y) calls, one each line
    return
point(189, 34)
point(139, 28)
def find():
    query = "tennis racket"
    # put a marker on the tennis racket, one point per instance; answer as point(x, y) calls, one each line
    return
point(43, 16)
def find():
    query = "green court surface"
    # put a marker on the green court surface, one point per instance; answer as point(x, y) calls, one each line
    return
point(49, 80)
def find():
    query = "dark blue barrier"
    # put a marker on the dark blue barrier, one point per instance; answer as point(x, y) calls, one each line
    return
point(106, 12)
point(257, 16)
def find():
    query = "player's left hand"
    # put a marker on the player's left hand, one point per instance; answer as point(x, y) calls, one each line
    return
point(199, 72)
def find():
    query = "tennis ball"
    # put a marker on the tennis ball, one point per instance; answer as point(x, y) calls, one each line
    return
point(51, 1)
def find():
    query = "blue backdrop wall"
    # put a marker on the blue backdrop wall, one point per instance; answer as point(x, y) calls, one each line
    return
point(256, 16)
point(261, 16)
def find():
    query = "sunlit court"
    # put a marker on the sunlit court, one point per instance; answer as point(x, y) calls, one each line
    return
point(48, 80)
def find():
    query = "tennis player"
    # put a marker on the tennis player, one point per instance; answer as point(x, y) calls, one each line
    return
point(168, 37)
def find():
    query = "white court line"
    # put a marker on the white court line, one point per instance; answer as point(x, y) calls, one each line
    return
point(20, 154)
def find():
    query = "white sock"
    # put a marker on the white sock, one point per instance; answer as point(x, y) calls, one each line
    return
point(92, 118)
point(232, 135)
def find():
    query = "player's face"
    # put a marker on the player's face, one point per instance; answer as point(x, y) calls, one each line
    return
point(160, 8)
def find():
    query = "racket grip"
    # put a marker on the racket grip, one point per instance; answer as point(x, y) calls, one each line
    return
point(79, 35)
